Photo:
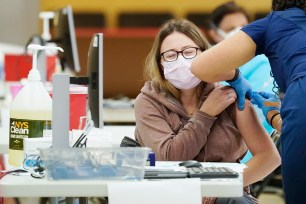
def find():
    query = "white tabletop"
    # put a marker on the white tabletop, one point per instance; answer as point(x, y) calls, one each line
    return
point(26, 186)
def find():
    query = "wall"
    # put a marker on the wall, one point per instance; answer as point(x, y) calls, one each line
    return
point(178, 8)
point(124, 54)
point(19, 20)
point(124, 76)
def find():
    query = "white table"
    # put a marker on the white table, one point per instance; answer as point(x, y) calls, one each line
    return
point(26, 186)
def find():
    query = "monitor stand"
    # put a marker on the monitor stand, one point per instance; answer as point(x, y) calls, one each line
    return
point(61, 107)
point(60, 111)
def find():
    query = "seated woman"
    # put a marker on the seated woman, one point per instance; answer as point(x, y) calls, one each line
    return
point(182, 118)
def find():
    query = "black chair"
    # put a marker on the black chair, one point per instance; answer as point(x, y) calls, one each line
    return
point(142, 20)
point(201, 19)
point(129, 142)
point(88, 20)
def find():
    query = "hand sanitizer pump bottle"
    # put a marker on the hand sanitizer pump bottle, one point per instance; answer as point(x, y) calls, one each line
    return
point(30, 111)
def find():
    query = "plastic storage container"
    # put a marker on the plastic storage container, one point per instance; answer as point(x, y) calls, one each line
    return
point(95, 163)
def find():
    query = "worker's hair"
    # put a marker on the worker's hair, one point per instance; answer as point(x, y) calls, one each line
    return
point(223, 10)
point(280, 5)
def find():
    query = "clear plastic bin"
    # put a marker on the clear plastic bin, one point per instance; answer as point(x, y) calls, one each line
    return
point(95, 163)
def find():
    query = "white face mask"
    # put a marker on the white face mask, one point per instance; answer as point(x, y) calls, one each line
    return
point(229, 34)
point(179, 74)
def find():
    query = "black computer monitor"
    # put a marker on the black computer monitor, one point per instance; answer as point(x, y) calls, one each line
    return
point(64, 36)
point(95, 76)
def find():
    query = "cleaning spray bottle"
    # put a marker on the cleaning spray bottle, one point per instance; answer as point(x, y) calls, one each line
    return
point(30, 111)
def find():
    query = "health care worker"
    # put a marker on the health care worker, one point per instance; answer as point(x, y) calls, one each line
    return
point(281, 36)
point(227, 19)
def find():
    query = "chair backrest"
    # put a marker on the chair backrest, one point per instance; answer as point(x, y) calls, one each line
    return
point(85, 20)
point(129, 142)
point(275, 136)
point(143, 19)
point(201, 19)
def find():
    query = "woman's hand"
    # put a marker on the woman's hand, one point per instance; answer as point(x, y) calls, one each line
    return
point(218, 100)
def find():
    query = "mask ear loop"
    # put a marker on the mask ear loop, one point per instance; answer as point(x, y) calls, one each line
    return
point(218, 30)
point(233, 31)
point(221, 33)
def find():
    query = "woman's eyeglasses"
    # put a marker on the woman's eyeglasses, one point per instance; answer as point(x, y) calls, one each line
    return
point(187, 53)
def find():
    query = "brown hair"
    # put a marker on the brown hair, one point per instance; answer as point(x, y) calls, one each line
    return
point(280, 5)
point(153, 69)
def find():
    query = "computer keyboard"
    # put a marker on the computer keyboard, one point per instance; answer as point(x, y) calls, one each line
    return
point(211, 172)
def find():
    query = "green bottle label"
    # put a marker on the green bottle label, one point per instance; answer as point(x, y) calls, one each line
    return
point(23, 128)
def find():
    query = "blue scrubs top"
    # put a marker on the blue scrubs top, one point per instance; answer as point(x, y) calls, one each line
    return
point(279, 37)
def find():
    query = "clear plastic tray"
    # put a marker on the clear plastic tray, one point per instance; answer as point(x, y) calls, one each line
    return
point(95, 163)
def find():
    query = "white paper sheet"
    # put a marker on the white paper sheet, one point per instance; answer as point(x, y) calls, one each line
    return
point(178, 191)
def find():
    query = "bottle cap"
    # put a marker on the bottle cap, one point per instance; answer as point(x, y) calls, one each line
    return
point(151, 158)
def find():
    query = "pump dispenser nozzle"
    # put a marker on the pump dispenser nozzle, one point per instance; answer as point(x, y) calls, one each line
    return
point(46, 16)
point(34, 73)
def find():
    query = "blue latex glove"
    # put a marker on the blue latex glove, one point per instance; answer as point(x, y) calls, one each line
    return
point(266, 102)
point(243, 89)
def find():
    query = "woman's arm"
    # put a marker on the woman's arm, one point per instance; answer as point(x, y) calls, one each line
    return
point(275, 119)
point(265, 155)
point(217, 63)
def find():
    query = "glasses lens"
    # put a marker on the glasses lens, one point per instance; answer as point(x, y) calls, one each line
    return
point(190, 52)
point(170, 56)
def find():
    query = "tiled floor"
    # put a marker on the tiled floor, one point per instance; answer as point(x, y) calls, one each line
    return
point(271, 199)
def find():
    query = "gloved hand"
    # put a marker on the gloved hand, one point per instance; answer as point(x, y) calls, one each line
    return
point(243, 88)
point(266, 102)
